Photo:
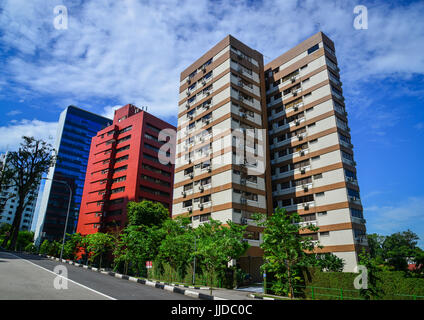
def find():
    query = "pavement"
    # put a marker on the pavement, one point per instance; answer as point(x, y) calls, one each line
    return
point(29, 277)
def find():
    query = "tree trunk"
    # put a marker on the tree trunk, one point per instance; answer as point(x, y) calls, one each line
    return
point(15, 225)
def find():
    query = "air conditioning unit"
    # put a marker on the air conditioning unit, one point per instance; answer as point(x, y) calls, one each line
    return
point(206, 106)
point(243, 115)
point(191, 117)
point(240, 83)
point(204, 82)
point(183, 193)
point(191, 175)
point(207, 121)
point(295, 93)
point(190, 209)
point(189, 160)
point(293, 79)
point(209, 169)
point(297, 122)
point(243, 221)
point(188, 80)
point(305, 188)
point(204, 68)
point(201, 188)
point(306, 206)
point(207, 93)
point(187, 93)
point(200, 206)
point(296, 108)
point(300, 137)
point(302, 153)
point(187, 106)
point(302, 170)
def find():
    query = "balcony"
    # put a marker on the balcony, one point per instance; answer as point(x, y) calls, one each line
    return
point(358, 220)
point(354, 200)
point(304, 224)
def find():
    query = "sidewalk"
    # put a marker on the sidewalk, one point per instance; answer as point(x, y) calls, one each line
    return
point(226, 294)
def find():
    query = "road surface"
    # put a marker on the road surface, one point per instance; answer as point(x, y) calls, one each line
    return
point(28, 277)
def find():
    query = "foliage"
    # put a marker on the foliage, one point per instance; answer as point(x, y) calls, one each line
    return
point(28, 164)
point(24, 238)
point(286, 252)
point(373, 290)
point(330, 262)
point(54, 248)
point(217, 245)
point(97, 245)
point(146, 213)
point(140, 240)
point(177, 246)
point(72, 246)
point(31, 248)
point(44, 247)
point(395, 251)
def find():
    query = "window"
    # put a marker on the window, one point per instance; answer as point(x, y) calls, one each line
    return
point(125, 130)
point(313, 48)
point(121, 189)
point(124, 139)
point(356, 213)
point(114, 212)
point(318, 176)
point(324, 234)
point(120, 169)
point(119, 179)
point(123, 148)
point(319, 194)
point(322, 213)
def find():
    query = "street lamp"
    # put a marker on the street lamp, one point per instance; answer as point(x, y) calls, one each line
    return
point(67, 213)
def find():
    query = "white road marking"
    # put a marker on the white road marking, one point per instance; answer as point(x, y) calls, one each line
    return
point(102, 294)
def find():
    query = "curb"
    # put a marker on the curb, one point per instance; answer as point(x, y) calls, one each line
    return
point(261, 298)
point(154, 284)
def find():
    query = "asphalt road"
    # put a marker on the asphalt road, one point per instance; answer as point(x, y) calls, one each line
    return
point(27, 277)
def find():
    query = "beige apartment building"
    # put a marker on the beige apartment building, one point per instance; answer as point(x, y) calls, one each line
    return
point(312, 164)
point(252, 137)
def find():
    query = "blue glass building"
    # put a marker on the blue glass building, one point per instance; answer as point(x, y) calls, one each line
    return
point(73, 140)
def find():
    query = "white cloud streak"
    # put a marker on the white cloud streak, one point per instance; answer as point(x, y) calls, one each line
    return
point(11, 135)
point(133, 51)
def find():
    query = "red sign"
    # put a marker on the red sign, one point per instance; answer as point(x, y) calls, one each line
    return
point(149, 264)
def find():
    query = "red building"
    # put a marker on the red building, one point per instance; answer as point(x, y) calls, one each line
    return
point(124, 166)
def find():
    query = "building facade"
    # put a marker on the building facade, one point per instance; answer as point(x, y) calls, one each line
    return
point(124, 165)
point(309, 168)
point(313, 168)
point(73, 140)
point(221, 170)
point(8, 211)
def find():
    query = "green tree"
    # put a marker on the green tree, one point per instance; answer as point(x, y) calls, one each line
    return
point(44, 247)
point(373, 291)
point(140, 240)
point(29, 163)
point(286, 252)
point(399, 248)
point(146, 213)
point(177, 246)
point(72, 246)
point(24, 238)
point(217, 245)
point(4, 230)
point(98, 244)
point(54, 248)
point(30, 248)
point(330, 262)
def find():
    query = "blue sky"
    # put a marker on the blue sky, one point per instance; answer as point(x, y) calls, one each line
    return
point(119, 52)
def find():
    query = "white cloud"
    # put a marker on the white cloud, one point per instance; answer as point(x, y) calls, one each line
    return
point(11, 135)
point(13, 113)
point(387, 219)
point(133, 51)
